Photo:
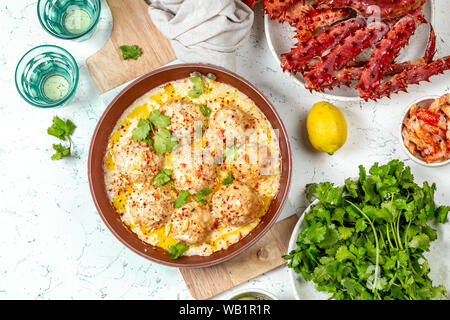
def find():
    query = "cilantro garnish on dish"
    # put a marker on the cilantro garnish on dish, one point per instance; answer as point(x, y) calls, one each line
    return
point(177, 250)
point(228, 179)
point(367, 239)
point(201, 195)
point(153, 131)
point(183, 195)
point(62, 130)
point(205, 110)
point(198, 89)
point(162, 177)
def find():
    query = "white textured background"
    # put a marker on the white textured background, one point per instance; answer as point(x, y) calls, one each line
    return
point(53, 244)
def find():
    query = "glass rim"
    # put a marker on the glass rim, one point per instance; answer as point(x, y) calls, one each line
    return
point(59, 102)
point(59, 36)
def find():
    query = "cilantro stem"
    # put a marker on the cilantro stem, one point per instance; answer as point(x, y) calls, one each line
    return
point(377, 247)
point(406, 235)
point(398, 232)
point(391, 246)
point(394, 235)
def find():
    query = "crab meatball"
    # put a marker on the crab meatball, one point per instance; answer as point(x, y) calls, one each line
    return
point(236, 204)
point(191, 223)
point(192, 172)
point(184, 116)
point(151, 206)
point(137, 162)
point(252, 163)
point(227, 125)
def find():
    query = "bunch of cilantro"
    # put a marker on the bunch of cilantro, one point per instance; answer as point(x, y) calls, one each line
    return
point(367, 239)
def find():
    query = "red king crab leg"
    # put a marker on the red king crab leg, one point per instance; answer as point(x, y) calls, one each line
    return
point(276, 8)
point(387, 8)
point(296, 60)
point(320, 77)
point(386, 51)
point(400, 81)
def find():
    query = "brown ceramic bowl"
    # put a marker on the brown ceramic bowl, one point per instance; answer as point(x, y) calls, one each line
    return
point(98, 149)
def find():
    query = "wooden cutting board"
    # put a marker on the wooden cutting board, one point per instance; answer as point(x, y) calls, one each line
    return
point(263, 256)
point(131, 26)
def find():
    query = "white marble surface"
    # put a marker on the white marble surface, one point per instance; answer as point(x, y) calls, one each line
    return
point(53, 244)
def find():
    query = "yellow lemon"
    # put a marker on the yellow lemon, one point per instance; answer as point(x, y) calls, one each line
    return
point(327, 128)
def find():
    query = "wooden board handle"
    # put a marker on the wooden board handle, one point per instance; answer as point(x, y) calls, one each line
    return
point(132, 26)
point(263, 256)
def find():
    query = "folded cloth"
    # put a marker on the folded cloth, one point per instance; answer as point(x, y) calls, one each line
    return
point(203, 31)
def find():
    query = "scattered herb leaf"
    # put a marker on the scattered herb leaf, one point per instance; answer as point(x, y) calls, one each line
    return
point(141, 132)
point(177, 250)
point(158, 119)
point(164, 141)
point(228, 179)
point(162, 177)
point(130, 52)
point(61, 152)
point(197, 90)
point(205, 110)
point(201, 195)
point(62, 130)
point(183, 195)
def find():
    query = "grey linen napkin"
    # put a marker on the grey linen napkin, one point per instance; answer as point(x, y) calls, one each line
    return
point(203, 31)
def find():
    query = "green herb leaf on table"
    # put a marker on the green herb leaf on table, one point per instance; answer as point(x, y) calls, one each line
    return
point(183, 195)
point(201, 195)
point(130, 52)
point(162, 177)
point(367, 239)
point(205, 110)
point(198, 89)
point(177, 250)
point(62, 130)
point(228, 179)
point(61, 152)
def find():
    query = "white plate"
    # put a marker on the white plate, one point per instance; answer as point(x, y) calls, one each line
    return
point(438, 258)
point(280, 38)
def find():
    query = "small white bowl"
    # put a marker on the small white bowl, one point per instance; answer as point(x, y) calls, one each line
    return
point(418, 159)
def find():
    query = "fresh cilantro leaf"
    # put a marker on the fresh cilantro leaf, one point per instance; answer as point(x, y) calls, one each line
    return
point(345, 232)
point(158, 119)
point(205, 110)
point(197, 90)
point(61, 152)
point(201, 195)
point(228, 179)
point(164, 141)
point(421, 241)
point(162, 177)
point(181, 199)
point(140, 133)
point(177, 250)
point(62, 130)
point(130, 52)
point(442, 213)
point(360, 225)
